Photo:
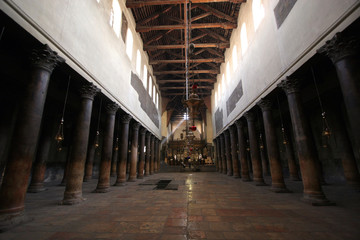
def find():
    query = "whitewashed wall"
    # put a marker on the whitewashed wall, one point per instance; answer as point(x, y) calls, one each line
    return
point(272, 53)
point(79, 31)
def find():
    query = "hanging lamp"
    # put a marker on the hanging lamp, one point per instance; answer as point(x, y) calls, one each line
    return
point(59, 137)
point(326, 133)
point(97, 137)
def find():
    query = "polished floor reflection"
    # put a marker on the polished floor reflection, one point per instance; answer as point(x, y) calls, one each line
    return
point(205, 206)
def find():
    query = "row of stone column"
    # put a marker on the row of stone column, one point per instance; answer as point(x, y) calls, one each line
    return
point(230, 151)
point(25, 137)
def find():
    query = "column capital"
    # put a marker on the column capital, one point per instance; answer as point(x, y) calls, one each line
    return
point(290, 85)
point(143, 131)
point(239, 123)
point(89, 90)
point(232, 130)
point(135, 126)
point(221, 136)
point(45, 58)
point(250, 116)
point(148, 135)
point(227, 133)
point(125, 118)
point(339, 47)
point(111, 108)
point(265, 104)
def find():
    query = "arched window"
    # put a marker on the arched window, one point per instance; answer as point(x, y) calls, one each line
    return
point(115, 17)
point(145, 75)
point(234, 58)
point(223, 83)
point(258, 12)
point(154, 99)
point(157, 100)
point(129, 43)
point(138, 62)
point(150, 86)
point(243, 38)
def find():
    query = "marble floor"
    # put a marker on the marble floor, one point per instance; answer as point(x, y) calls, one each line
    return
point(205, 206)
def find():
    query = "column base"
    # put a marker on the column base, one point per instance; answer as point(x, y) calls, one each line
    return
point(133, 179)
point(246, 179)
point(280, 190)
point(113, 175)
point(62, 184)
point(72, 198)
point(10, 220)
point(119, 184)
point(317, 200)
point(36, 188)
point(101, 190)
point(259, 182)
point(236, 176)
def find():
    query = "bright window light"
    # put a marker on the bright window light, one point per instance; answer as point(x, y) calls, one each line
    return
point(157, 100)
point(258, 12)
point(186, 116)
point(219, 91)
point(150, 86)
point(138, 62)
point(228, 77)
point(145, 72)
point(223, 83)
point(215, 99)
point(115, 17)
point(243, 38)
point(234, 58)
point(153, 93)
point(129, 43)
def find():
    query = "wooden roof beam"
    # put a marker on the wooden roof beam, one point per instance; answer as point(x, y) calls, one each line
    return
point(183, 87)
point(217, 60)
point(164, 94)
point(214, 35)
point(216, 12)
point(143, 3)
point(200, 16)
point(164, 81)
point(211, 71)
point(180, 46)
point(155, 15)
point(224, 25)
point(157, 37)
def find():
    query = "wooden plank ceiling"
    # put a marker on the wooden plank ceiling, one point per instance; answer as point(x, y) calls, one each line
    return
point(161, 24)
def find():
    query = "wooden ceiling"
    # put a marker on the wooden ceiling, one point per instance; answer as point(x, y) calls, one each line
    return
point(161, 24)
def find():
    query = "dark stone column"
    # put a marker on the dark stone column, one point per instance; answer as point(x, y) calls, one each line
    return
point(242, 151)
point(344, 53)
point(264, 164)
point(216, 157)
point(158, 155)
point(66, 166)
point(223, 154)
point(348, 158)
point(148, 149)
point(254, 150)
point(304, 143)
point(234, 155)
point(134, 151)
point(25, 137)
point(277, 179)
point(289, 151)
point(229, 163)
point(123, 149)
point(73, 190)
point(89, 161)
point(103, 185)
point(115, 154)
point(218, 154)
point(42, 155)
point(152, 154)
point(142, 153)
point(155, 154)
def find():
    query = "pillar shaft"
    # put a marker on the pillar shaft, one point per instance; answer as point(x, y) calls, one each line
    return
point(123, 149)
point(142, 153)
point(234, 155)
point(277, 179)
point(254, 149)
point(25, 136)
point(89, 164)
point(39, 168)
point(344, 53)
point(73, 190)
point(115, 154)
point(66, 166)
point(223, 154)
point(229, 163)
point(148, 150)
point(289, 151)
point(242, 151)
point(106, 153)
point(304, 143)
point(134, 151)
point(152, 154)
point(218, 154)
